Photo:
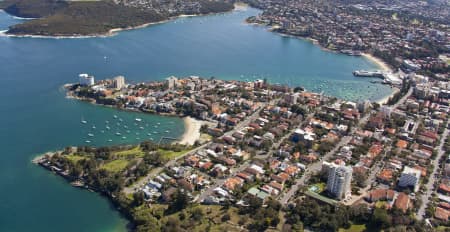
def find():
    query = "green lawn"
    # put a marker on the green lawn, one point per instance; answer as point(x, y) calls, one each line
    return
point(354, 228)
point(168, 154)
point(115, 165)
point(135, 152)
point(380, 204)
point(74, 158)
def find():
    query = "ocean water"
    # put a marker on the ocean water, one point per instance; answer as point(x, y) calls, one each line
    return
point(36, 117)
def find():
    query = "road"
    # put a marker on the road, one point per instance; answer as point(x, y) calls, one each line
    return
point(430, 184)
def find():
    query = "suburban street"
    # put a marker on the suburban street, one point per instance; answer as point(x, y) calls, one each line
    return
point(429, 186)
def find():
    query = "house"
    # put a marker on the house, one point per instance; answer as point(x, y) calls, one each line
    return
point(441, 214)
point(402, 202)
point(184, 184)
point(217, 132)
point(402, 144)
point(386, 176)
point(232, 183)
point(380, 195)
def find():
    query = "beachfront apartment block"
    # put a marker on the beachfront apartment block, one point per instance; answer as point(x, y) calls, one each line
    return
point(410, 178)
point(119, 82)
point(86, 80)
point(339, 180)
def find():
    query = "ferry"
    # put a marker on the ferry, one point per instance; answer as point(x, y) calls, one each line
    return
point(364, 73)
point(138, 119)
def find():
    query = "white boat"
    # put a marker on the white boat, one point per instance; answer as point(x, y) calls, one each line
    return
point(91, 135)
point(149, 134)
point(109, 140)
point(167, 131)
point(102, 131)
point(128, 131)
point(83, 121)
point(155, 132)
point(120, 119)
point(124, 137)
point(93, 127)
point(87, 141)
point(107, 127)
point(151, 139)
point(115, 116)
point(158, 123)
point(106, 121)
point(118, 133)
point(138, 119)
point(141, 127)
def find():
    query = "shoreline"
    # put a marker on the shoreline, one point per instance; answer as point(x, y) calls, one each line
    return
point(112, 32)
point(384, 100)
point(380, 63)
point(191, 130)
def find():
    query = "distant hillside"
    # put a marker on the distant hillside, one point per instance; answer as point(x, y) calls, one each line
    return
point(32, 8)
point(62, 18)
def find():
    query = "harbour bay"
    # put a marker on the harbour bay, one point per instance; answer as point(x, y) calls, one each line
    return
point(36, 116)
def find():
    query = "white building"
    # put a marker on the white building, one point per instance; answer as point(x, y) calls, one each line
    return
point(339, 180)
point(172, 82)
point(86, 80)
point(410, 178)
point(119, 82)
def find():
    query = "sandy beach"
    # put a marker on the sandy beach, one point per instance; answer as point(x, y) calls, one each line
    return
point(192, 131)
point(383, 66)
point(384, 100)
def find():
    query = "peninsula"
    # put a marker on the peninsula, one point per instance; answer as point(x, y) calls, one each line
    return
point(279, 158)
point(99, 18)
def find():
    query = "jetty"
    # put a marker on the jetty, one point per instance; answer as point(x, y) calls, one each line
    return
point(387, 77)
point(364, 73)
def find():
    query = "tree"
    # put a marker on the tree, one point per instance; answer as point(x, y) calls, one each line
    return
point(360, 179)
point(179, 201)
point(138, 198)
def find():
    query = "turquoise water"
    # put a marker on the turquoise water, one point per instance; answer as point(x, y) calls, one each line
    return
point(36, 117)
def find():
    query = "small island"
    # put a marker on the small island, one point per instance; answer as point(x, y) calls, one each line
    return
point(57, 18)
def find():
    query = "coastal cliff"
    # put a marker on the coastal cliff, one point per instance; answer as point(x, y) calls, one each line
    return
point(93, 18)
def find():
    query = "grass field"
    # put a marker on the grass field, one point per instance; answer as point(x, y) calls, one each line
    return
point(134, 152)
point(74, 158)
point(115, 165)
point(354, 228)
point(168, 154)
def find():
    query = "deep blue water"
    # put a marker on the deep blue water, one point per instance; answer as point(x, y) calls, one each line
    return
point(36, 117)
